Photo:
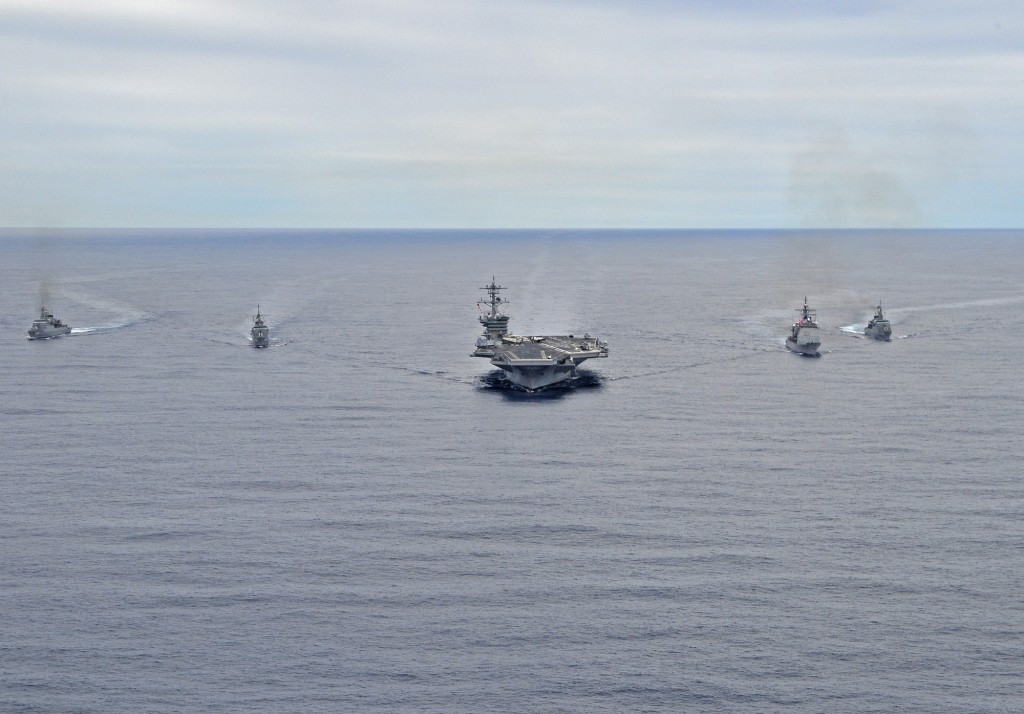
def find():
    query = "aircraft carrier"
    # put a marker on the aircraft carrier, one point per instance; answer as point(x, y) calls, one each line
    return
point(530, 362)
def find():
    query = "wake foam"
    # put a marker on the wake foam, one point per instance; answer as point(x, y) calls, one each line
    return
point(107, 327)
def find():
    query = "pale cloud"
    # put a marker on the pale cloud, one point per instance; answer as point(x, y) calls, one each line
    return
point(471, 112)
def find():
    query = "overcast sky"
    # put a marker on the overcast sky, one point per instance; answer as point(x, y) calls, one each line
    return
point(512, 114)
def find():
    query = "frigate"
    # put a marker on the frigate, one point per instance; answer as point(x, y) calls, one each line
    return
point(879, 327)
point(803, 338)
point(46, 326)
point(260, 332)
point(530, 362)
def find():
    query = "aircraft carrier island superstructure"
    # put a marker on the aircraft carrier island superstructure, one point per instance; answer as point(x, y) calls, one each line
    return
point(530, 362)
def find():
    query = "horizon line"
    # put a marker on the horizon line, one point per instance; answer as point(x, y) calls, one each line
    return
point(463, 229)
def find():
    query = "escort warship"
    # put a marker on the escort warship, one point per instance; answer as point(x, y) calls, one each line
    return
point(260, 332)
point(803, 338)
point(530, 362)
point(46, 326)
point(879, 327)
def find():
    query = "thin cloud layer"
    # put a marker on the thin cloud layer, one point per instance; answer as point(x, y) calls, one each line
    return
point(478, 113)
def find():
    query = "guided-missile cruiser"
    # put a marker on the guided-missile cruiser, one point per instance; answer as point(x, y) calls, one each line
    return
point(803, 338)
point(879, 327)
point(530, 362)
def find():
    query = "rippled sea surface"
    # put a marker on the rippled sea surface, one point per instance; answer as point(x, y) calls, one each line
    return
point(362, 519)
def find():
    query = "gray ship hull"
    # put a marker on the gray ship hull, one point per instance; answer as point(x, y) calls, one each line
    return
point(879, 332)
point(533, 379)
point(539, 362)
point(45, 333)
point(808, 349)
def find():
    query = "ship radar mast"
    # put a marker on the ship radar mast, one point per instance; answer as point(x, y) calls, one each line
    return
point(494, 300)
point(806, 312)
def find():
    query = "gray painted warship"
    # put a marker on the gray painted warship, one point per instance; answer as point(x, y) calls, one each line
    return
point(803, 338)
point(46, 326)
point(879, 327)
point(530, 362)
point(260, 332)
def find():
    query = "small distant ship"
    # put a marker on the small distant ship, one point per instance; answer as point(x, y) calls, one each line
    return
point(260, 332)
point(879, 327)
point(530, 362)
point(47, 326)
point(803, 338)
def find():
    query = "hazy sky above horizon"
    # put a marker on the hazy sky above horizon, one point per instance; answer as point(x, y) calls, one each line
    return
point(479, 113)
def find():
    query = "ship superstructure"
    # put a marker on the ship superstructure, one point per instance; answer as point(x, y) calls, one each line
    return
point(494, 321)
point(803, 337)
point(260, 332)
point(879, 327)
point(46, 326)
point(530, 362)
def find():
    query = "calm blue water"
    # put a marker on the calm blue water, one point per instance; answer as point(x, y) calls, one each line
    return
point(359, 520)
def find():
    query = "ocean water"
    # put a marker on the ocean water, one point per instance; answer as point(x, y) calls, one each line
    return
point(363, 519)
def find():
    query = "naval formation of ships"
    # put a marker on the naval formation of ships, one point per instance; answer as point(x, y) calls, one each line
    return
point(532, 362)
point(803, 337)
